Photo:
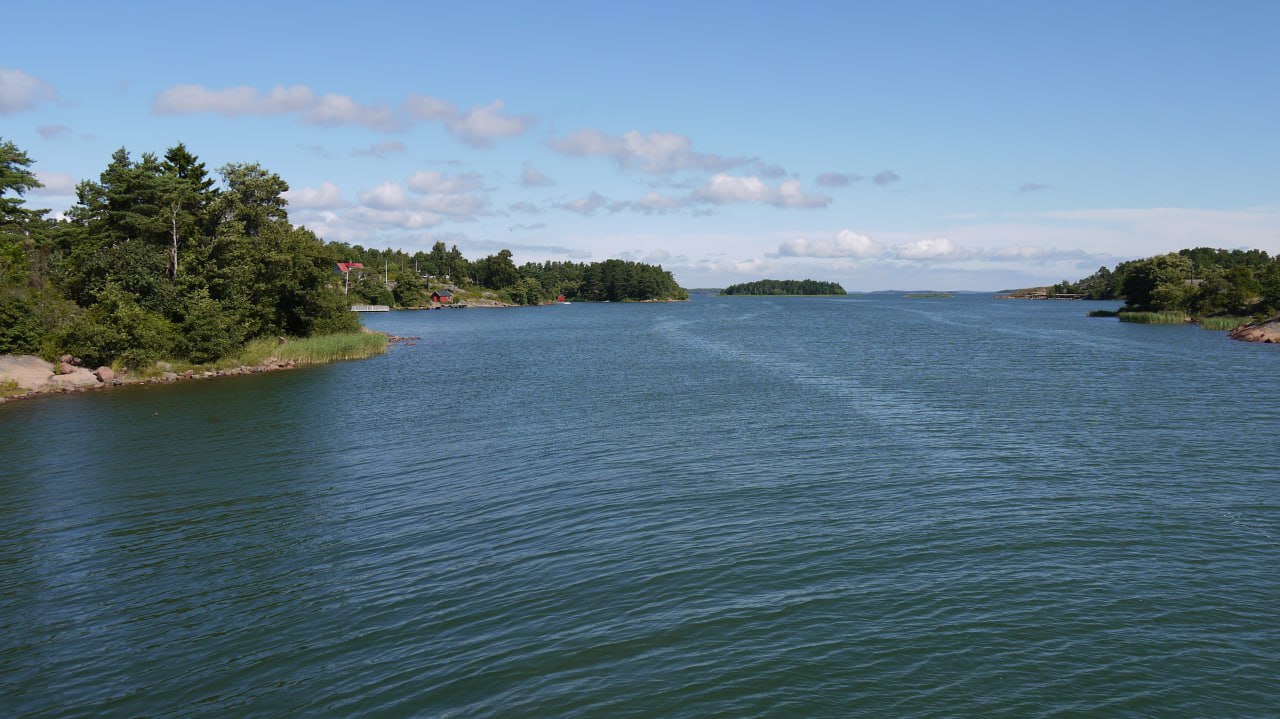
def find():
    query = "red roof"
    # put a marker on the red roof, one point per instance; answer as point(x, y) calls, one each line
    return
point(348, 266)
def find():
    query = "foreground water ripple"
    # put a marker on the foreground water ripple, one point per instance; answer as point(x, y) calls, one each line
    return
point(726, 508)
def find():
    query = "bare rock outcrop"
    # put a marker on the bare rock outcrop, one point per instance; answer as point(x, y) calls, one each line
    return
point(80, 378)
point(1267, 330)
point(27, 371)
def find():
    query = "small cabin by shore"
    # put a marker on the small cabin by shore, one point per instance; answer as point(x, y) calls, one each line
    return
point(442, 297)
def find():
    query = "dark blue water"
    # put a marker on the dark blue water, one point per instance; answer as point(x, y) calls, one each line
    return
point(732, 507)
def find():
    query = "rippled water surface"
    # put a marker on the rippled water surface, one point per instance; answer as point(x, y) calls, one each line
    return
point(732, 507)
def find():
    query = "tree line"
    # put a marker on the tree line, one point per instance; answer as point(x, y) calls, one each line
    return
point(160, 258)
point(785, 287)
point(412, 276)
point(1201, 282)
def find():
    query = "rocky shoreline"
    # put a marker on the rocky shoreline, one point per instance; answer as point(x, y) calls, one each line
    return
point(36, 377)
point(1267, 331)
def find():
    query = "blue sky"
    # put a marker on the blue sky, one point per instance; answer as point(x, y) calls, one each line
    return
point(979, 145)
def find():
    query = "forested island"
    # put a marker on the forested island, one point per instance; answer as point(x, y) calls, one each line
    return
point(1220, 289)
point(784, 287)
point(161, 259)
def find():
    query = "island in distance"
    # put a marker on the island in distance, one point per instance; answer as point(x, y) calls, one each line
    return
point(785, 287)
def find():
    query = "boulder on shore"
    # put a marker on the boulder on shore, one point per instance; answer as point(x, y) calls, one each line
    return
point(1267, 330)
point(81, 377)
point(29, 372)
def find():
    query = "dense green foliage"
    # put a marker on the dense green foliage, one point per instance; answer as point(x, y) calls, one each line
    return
point(784, 287)
point(159, 259)
point(414, 276)
point(1198, 282)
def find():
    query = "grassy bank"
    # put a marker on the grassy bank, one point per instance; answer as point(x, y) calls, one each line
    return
point(1154, 318)
point(1222, 324)
point(309, 350)
point(299, 351)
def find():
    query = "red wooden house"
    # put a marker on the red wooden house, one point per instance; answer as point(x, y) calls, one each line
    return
point(442, 297)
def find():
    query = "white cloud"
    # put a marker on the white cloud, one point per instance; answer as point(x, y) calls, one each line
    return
point(459, 206)
point(233, 101)
point(723, 189)
point(386, 196)
point(934, 248)
point(20, 92)
point(846, 243)
point(654, 152)
point(335, 110)
point(425, 181)
point(655, 256)
point(587, 205)
point(530, 177)
point(325, 197)
point(479, 126)
point(380, 149)
point(654, 203)
point(55, 183)
point(403, 219)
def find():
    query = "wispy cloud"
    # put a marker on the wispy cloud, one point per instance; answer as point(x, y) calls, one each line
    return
point(590, 204)
point(328, 110)
point(380, 150)
point(884, 178)
point(54, 132)
point(1031, 187)
point(530, 177)
point(837, 179)
point(478, 126)
point(653, 152)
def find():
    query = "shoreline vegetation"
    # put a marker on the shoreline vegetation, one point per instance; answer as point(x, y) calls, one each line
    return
point(800, 288)
point(27, 376)
point(1237, 291)
point(161, 262)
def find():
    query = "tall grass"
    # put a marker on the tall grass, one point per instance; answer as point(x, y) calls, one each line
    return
point(308, 350)
point(1222, 323)
point(1154, 318)
point(10, 388)
point(1104, 313)
point(328, 348)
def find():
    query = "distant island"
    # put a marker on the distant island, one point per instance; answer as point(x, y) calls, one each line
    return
point(785, 287)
